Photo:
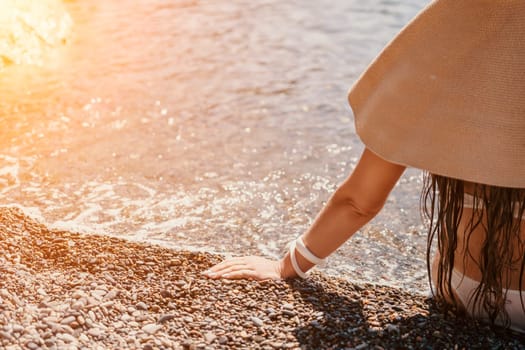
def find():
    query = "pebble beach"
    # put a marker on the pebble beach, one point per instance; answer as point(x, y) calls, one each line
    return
point(62, 290)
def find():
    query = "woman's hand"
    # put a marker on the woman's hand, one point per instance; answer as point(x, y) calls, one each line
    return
point(247, 267)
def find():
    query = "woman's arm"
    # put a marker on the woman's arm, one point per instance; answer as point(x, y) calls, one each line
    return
point(352, 205)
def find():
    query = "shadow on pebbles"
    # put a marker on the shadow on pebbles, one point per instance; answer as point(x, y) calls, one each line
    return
point(61, 290)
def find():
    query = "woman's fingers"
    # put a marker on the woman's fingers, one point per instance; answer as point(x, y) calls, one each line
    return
point(248, 267)
point(228, 263)
point(241, 274)
point(227, 271)
point(225, 267)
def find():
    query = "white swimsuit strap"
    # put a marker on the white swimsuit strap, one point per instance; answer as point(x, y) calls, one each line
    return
point(468, 202)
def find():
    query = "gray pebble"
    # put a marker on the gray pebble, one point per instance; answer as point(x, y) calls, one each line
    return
point(142, 306)
point(392, 328)
point(276, 344)
point(209, 337)
point(32, 345)
point(68, 338)
point(288, 306)
point(6, 336)
point(361, 346)
point(257, 321)
point(166, 318)
point(151, 328)
point(289, 313)
point(18, 328)
point(68, 320)
point(179, 283)
point(258, 338)
point(95, 332)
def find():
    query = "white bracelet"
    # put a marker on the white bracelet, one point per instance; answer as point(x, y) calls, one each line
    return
point(306, 253)
point(295, 265)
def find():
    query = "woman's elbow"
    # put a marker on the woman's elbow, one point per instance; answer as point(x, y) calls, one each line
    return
point(360, 208)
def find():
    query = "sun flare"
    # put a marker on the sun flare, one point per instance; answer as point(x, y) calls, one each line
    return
point(30, 29)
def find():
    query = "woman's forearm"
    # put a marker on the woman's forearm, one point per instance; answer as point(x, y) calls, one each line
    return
point(355, 203)
point(336, 223)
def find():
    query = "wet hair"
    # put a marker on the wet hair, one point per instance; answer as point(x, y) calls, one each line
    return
point(498, 211)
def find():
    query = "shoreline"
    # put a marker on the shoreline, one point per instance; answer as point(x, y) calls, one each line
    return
point(63, 290)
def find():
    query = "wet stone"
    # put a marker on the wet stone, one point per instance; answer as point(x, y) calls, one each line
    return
point(257, 321)
point(166, 318)
point(151, 328)
point(95, 332)
point(32, 346)
point(141, 306)
point(209, 337)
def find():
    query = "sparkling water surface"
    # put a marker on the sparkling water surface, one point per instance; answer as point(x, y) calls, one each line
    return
point(212, 125)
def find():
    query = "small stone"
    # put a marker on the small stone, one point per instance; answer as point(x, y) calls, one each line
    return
point(244, 335)
point(112, 294)
point(6, 336)
point(287, 306)
point(256, 321)
point(79, 304)
point(50, 342)
point(68, 338)
point(392, 328)
point(258, 338)
point(68, 320)
point(166, 318)
point(151, 328)
point(98, 293)
point(188, 345)
point(165, 293)
point(209, 337)
point(276, 344)
point(32, 346)
point(95, 332)
point(223, 340)
point(18, 328)
point(289, 313)
point(361, 346)
point(68, 329)
point(179, 283)
point(147, 347)
point(78, 294)
point(142, 306)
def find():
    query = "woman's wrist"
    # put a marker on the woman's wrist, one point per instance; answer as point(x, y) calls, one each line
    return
point(287, 269)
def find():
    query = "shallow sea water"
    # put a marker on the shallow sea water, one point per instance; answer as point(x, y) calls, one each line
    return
point(212, 125)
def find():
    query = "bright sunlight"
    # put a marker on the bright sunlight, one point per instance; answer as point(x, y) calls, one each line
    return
point(29, 29)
